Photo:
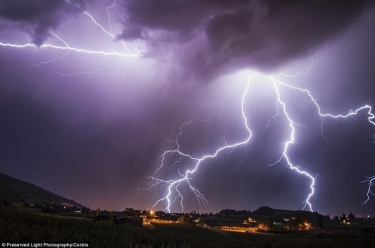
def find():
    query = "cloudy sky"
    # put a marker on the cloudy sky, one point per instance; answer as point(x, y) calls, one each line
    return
point(91, 126)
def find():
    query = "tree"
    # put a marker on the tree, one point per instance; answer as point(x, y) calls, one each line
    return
point(320, 222)
point(336, 218)
point(85, 210)
point(343, 217)
point(351, 217)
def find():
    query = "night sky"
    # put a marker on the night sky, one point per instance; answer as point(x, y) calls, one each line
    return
point(92, 127)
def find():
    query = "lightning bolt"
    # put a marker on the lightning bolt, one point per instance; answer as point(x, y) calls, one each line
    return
point(79, 73)
point(288, 143)
point(239, 171)
point(173, 185)
point(57, 58)
point(110, 33)
point(370, 183)
point(300, 73)
point(66, 47)
point(109, 15)
point(351, 113)
point(69, 49)
point(173, 193)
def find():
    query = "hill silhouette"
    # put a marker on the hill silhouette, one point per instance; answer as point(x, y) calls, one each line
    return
point(15, 190)
point(267, 211)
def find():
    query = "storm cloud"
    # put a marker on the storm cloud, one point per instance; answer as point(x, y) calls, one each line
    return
point(38, 17)
point(210, 38)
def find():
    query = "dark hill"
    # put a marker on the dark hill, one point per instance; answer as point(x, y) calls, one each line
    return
point(267, 211)
point(283, 213)
point(15, 190)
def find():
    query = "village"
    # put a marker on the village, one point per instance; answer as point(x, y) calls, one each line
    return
point(265, 220)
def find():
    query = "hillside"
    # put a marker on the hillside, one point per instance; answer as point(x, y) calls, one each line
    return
point(13, 189)
point(267, 211)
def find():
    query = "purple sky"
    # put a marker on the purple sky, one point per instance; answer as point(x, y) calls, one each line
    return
point(95, 137)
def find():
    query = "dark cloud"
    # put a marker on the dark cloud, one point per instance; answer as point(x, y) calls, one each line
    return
point(180, 18)
point(40, 16)
point(259, 34)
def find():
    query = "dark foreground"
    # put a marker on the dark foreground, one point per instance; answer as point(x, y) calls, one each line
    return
point(27, 227)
